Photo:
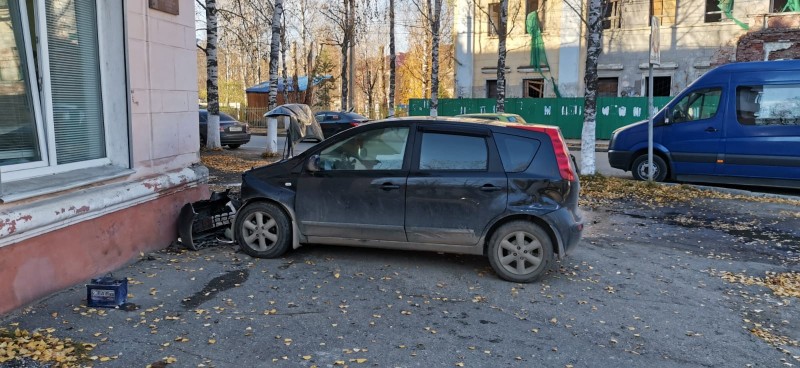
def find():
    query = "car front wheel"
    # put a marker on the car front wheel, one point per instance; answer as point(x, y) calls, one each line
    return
point(640, 168)
point(263, 230)
point(520, 251)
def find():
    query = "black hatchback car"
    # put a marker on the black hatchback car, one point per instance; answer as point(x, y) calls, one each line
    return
point(507, 191)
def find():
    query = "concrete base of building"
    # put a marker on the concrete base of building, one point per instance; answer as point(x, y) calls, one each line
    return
point(43, 264)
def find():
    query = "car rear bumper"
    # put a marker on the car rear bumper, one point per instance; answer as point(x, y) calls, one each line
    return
point(620, 159)
point(568, 228)
point(229, 138)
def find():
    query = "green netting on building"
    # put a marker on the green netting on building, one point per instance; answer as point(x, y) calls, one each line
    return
point(726, 6)
point(792, 6)
point(538, 53)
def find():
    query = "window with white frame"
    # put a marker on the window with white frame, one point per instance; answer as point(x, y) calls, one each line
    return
point(51, 90)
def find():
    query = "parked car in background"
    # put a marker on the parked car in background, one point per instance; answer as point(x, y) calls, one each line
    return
point(232, 133)
point(333, 122)
point(737, 124)
point(504, 117)
point(507, 191)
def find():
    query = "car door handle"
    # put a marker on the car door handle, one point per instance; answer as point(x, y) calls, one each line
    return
point(712, 130)
point(490, 188)
point(389, 186)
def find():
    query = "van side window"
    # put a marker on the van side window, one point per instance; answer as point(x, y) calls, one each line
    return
point(768, 104)
point(698, 105)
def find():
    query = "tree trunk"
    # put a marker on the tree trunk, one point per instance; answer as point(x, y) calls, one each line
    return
point(284, 48)
point(295, 83)
point(437, 12)
point(310, 73)
point(392, 59)
point(594, 46)
point(502, 34)
point(274, 53)
point(345, 48)
point(352, 72)
point(212, 132)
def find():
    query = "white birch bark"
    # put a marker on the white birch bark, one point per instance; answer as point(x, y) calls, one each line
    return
point(392, 59)
point(212, 132)
point(274, 54)
point(594, 46)
point(435, 22)
point(502, 34)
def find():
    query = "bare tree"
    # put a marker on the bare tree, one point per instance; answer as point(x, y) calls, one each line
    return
point(392, 59)
point(435, 22)
point(501, 56)
point(212, 132)
point(594, 46)
point(274, 53)
point(284, 48)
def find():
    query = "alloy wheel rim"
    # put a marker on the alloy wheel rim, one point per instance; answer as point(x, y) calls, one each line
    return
point(520, 253)
point(260, 231)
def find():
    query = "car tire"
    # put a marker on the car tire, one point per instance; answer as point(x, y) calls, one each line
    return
point(520, 251)
point(639, 168)
point(234, 146)
point(262, 230)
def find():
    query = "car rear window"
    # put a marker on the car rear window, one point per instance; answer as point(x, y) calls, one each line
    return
point(452, 152)
point(516, 152)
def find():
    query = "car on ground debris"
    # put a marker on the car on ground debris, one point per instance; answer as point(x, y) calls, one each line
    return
point(506, 191)
point(333, 122)
point(232, 133)
point(500, 116)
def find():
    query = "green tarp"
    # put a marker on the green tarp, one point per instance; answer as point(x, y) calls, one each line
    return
point(726, 6)
point(538, 53)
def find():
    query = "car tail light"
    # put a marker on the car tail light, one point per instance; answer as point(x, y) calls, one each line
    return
point(221, 128)
point(354, 123)
point(559, 147)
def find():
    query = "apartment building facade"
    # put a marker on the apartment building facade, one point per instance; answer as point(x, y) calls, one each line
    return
point(695, 35)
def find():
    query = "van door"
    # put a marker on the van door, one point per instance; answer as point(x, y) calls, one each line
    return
point(763, 138)
point(694, 135)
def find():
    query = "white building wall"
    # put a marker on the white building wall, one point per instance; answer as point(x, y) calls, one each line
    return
point(163, 77)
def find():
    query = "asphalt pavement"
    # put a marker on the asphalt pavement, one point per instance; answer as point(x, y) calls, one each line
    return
point(645, 287)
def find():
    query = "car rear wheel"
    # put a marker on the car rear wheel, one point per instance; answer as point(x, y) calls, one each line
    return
point(520, 251)
point(640, 168)
point(234, 146)
point(262, 230)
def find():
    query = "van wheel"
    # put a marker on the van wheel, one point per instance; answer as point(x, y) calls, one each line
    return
point(520, 251)
point(262, 230)
point(639, 168)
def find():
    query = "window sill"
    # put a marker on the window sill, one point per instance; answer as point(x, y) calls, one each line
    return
point(42, 185)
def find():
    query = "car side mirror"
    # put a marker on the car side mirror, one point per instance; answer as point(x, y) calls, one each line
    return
point(312, 163)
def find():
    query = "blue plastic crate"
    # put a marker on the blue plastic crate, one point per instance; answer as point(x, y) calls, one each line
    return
point(107, 292)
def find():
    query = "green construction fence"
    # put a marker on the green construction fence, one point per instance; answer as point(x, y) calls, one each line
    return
point(566, 113)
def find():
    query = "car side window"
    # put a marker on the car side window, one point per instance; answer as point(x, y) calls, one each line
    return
point(453, 152)
point(203, 117)
point(768, 105)
point(377, 149)
point(516, 152)
point(319, 117)
point(697, 105)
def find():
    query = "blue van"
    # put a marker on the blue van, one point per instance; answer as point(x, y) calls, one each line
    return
point(737, 124)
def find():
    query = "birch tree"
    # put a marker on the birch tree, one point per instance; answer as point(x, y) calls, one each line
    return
point(436, 21)
point(212, 132)
point(392, 59)
point(274, 53)
point(502, 34)
point(594, 46)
